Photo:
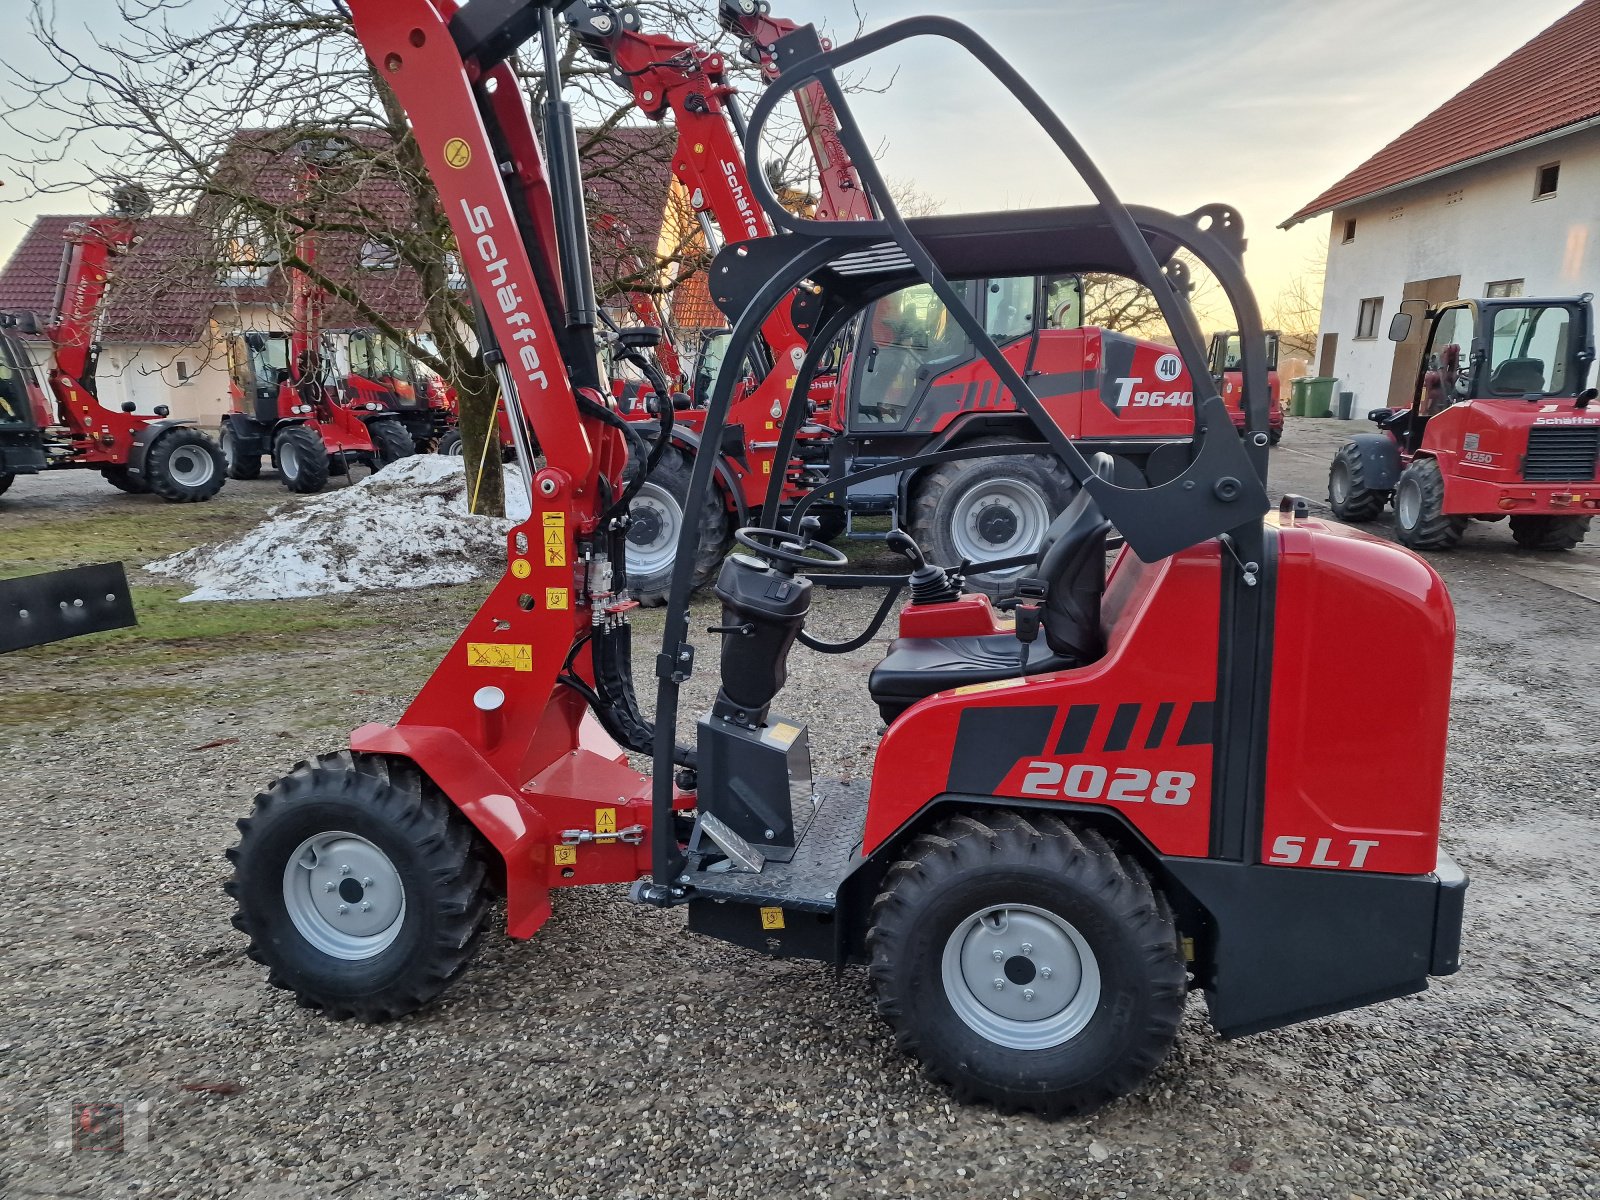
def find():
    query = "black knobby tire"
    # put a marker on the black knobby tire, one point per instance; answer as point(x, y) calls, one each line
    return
point(391, 442)
point(450, 443)
point(1274, 436)
point(1033, 863)
point(431, 848)
point(1348, 493)
point(184, 466)
point(307, 466)
point(7, 478)
point(1548, 533)
point(119, 477)
point(240, 465)
point(657, 511)
point(1419, 517)
point(1005, 504)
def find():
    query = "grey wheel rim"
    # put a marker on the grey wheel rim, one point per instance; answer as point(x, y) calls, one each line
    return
point(230, 450)
point(999, 518)
point(453, 449)
point(190, 466)
point(1408, 503)
point(1021, 976)
point(1339, 483)
point(289, 459)
point(344, 895)
point(653, 537)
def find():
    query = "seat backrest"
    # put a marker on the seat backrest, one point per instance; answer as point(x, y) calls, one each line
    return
point(1518, 377)
point(1072, 563)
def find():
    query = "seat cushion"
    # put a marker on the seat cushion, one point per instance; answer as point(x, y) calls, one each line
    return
point(916, 668)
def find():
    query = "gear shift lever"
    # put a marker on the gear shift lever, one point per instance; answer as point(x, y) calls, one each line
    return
point(929, 584)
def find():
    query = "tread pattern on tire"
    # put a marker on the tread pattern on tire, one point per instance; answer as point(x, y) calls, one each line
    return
point(246, 467)
point(1362, 504)
point(403, 796)
point(118, 476)
point(390, 442)
point(711, 527)
point(1435, 530)
point(159, 454)
point(1040, 841)
point(1548, 532)
point(314, 467)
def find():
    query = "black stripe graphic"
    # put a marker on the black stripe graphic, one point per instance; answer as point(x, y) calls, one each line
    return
point(1075, 729)
point(1122, 726)
point(989, 741)
point(1158, 727)
point(1199, 725)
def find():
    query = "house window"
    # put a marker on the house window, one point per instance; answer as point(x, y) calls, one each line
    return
point(1502, 288)
point(245, 254)
point(182, 368)
point(378, 256)
point(1350, 230)
point(1548, 179)
point(1367, 319)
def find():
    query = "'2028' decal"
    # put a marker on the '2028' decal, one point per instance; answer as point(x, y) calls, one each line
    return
point(1090, 781)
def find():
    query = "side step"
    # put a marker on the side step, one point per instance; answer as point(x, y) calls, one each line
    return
point(741, 853)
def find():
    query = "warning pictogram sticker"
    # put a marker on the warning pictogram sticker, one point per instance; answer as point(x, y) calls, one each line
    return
point(500, 654)
point(457, 153)
point(555, 539)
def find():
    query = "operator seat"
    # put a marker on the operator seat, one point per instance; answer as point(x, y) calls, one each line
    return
point(1072, 565)
point(1518, 377)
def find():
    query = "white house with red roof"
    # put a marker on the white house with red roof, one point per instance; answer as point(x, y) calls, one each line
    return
point(1494, 193)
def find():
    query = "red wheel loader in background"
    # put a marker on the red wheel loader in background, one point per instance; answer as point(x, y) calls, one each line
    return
point(1227, 369)
point(1500, 425)
point(287, 400)
point(1073, 818)
point(165, 455)
point(907, 380)
point(373, 368)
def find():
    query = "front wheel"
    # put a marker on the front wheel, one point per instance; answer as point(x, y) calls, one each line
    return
point(391, 442)
point(655, 520)
point(1348, 493)
point(450, 443)
point(980, 509)
point(1419, 516)
point(1548, 533)
point(185, 466)
point(359, 887)
point(1027, 965)
point(240, 464)
point(302, 458)
point(7, 478)
point(119, 477)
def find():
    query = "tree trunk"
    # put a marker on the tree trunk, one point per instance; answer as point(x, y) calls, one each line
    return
point(476, 394)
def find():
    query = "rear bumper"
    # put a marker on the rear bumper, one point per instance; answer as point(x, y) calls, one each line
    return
point(1449, 908)
point(1478, 497)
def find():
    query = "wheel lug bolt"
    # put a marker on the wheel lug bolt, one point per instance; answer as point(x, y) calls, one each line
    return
point(366, 881)
point(329, 886)
point(999, 985)
point(343, 908)
point(999, 955)
point(1027, 993)
point(344, 870)
point(365, 906)
point(1045, 972)
point(1027, 947)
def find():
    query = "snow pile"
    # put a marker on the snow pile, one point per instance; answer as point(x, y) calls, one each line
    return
point(406, 526)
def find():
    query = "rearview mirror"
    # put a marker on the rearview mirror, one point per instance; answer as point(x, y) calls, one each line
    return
point(1399, 327)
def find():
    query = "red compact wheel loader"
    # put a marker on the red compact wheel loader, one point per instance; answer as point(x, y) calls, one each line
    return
point(287, 396)
point(907, 379)
point(1075, 817)
point(1227, 369)
point(373, 368)
point(163, 454)
point(1500, 425)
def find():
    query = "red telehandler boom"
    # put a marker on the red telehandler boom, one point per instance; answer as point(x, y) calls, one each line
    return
point(164, 454)
point(287, 398)
point(1072, 819)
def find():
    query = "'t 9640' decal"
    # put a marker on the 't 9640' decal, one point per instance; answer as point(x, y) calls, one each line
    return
point(1123, 785)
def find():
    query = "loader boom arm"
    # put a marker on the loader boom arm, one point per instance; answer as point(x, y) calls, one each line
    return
point(80, 301)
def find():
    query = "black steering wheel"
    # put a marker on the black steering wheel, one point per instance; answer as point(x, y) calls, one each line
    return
point(774, 545)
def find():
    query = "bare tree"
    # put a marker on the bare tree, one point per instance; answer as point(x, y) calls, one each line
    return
point(1297, 311)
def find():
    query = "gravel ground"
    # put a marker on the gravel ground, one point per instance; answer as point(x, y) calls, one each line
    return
point(615, 1056)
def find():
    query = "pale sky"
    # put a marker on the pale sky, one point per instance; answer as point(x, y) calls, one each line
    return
point(1258, 103)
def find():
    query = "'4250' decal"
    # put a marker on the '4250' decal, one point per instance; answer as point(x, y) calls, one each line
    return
point(1126, 785)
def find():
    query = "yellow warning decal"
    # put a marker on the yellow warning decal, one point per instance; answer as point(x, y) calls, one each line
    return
point(783, 733)
point(457, 153)
point(555, 539)
point(555, 597)
point(766, 468)
point(521, 568)
point(499, 654)
point(993, 686)
point(566, 855)
point(772, 918)
point(605, 820)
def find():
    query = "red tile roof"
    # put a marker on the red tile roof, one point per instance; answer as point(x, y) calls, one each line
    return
point(1550, 83)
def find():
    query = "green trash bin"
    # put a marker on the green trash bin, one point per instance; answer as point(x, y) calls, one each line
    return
point(1297, 397)
point(1319, 396)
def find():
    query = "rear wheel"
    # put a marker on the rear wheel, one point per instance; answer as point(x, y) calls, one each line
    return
point(450, 443)
point(240, 465)
point(391, 441)
point(359, 887)
point(302, 458)
point(119, 477)
point(1274, 436)
point(1026, 965)
point(655, 519)
point(184, 466)
point(1419, 516)
point(1348, 493)
point(1548, 533)
point(987, 508)
point(7, 478)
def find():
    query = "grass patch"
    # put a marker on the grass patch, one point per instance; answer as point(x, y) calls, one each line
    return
point(133, 534)
point(80, 705)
